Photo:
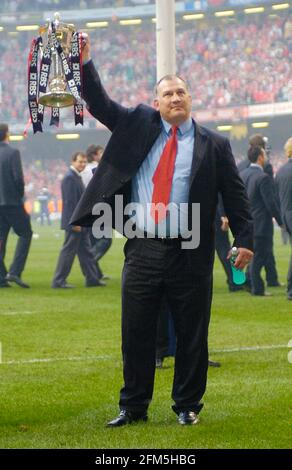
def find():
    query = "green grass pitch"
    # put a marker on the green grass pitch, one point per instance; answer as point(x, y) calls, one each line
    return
point(61, 365)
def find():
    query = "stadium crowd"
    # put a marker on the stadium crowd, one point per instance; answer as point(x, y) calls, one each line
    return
point(240, 63)
point(40, 174)
point(8, 6)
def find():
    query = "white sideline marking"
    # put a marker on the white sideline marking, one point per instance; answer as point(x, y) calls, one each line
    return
point(59, 359)
point(17, 313)
point(104, 358)
point(250, 348)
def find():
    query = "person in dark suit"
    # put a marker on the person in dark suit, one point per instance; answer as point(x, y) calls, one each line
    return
point(162, 155)
point(44, 198)
point(77, 241)
point(264, 206)
point(284, 190)
point(12, 212)
point(258, 140)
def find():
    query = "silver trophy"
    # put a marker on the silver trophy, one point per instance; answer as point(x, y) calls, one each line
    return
point(58, 95)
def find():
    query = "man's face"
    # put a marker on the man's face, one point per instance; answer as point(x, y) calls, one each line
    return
point(173, 101)
point(98, 155)
point(80, 163)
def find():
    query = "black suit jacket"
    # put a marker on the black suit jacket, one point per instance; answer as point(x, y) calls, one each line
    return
point(134, 132)
point(284, 190)
point(11, 176)
point(268, 167)
point(263, 201)
point(72, 190)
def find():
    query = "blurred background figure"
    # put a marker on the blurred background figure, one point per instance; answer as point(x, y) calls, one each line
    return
point(100, 245)
point(12, 212)
point(284, 190)
point(77, 241)
point(94, 155)
point(44, 198)
point(264, 206)
point(166, 339)
point(258, 140)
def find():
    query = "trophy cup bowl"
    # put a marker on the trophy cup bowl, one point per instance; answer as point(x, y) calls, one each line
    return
point(59, 95)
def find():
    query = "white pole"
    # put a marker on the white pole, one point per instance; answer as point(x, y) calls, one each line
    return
point(165, 38)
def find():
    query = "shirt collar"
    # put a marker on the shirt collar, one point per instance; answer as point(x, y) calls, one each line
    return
point(75, 171)
point(183, 128)
point(255, 165)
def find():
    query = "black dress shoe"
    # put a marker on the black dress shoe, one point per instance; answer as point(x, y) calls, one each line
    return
point(263, 294)
point(98, 283)
point(126, 417)
point(4, 284)
point(235, 288)
point(65, 285)
point(276, 284)
point(159, 362)
point(188, 417)
point(214, 364)
point(17, 280)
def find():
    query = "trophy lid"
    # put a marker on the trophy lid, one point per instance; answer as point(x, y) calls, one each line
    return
point(60, 26)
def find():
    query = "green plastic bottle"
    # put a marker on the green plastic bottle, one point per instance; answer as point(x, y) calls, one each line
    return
point(238, 276)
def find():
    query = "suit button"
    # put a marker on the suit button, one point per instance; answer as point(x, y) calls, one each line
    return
point(103, 196)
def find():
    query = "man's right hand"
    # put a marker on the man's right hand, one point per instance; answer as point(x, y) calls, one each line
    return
point(85, 48)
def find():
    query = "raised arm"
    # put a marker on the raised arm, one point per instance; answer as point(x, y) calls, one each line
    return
point(99, 104)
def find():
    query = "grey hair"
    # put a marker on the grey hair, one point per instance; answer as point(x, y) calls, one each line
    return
point(168, 78)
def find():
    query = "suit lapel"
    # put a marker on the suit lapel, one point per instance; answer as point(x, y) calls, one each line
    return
point(153, 133)
point(199, 151)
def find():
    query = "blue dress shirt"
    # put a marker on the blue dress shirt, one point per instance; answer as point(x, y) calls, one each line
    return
point(142, 186)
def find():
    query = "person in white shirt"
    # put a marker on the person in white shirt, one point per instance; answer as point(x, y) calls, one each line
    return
point(94, 154)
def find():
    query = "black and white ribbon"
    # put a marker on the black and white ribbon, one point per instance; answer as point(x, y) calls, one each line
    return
point(76, 61)
point(33, 84)
point(44, 77)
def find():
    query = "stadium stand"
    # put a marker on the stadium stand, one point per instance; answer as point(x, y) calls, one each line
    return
point(248, 61)
point(13, 6)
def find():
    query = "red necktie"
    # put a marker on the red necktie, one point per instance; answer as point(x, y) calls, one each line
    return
point(162, 178)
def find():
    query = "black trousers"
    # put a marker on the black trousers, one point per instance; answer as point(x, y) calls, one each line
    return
point(17, 218)
point(152, 269)
point(222, 246)
point(76, 243)
point(270, 268)
point(165, 341)
point(262, 250)
point(100, 247)
point(289, 275)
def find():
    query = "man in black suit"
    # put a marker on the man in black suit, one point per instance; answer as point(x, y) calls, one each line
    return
point(12, 212)
point(143, 148)
point(264, 207)
point(258, 140)
point(77, 241)
point(284, 190)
